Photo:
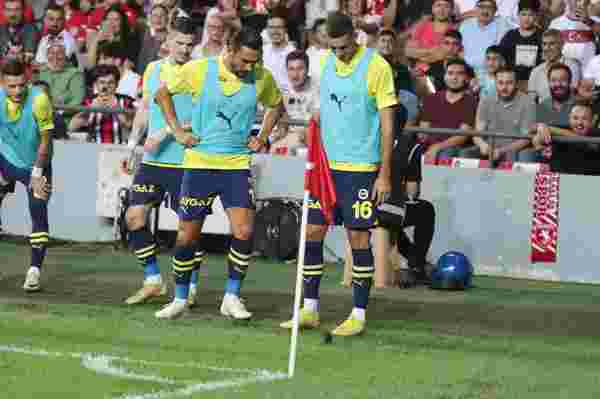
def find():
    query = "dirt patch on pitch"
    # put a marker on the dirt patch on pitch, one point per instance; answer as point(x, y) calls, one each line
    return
point(451, 317)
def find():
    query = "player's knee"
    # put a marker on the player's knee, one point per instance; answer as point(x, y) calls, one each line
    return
point(187, 234)
point(135, 218)
point(359, 239)
point(243, 231)
point(315, 232)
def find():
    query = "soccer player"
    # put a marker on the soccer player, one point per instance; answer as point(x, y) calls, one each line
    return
point(356, 117)
point(26, 121)
point(161, 170)
point(226, 90)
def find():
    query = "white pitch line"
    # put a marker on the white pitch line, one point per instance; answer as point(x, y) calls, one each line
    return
point(100, 363)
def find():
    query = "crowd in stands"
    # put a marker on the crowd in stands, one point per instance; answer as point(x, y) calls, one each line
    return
point(524, 67)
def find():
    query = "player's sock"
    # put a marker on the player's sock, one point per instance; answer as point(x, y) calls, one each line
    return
point(238, 260)
point(183, 264)
point(38, 241)
point(145, 250)
point(362, 278)
point(199, 258)
point(312, 271)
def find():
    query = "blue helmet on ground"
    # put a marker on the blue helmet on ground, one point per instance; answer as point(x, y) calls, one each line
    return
point(453, 271)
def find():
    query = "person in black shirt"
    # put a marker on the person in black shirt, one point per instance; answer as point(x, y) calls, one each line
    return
point(406, 181)
point(523, 46)
point(571, 158)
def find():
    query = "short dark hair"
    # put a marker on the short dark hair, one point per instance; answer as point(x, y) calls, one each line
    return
point(13, 68)
point(453, 33)
point(184, 26)
point(458, 61)
point(279, 12)
point(55, 7)
point(318, 22)
point(387, 32)
point(339, 25)
point(297, 55)
point(583, 103)
point(246, 37)
point(495, 49)
point(560, 66)
point(112, 50)
point(105, 70)
point(507, 69)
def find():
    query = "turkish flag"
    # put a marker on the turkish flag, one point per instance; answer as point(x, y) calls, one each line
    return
point(317, 180)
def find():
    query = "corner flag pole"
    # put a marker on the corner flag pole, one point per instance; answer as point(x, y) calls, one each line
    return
point(298, 290)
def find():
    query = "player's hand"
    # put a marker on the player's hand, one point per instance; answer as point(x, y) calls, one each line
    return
point(382, 189)
point(185, 138)
point(40, 187)
point(151, 144)
point(255, 144)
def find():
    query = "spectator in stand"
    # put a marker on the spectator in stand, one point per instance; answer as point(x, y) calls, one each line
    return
point(318, 47)
point(66, 83)
point(552, 53)
point(54, 30)
point(523, 46)
point(453, 108)
point(155, 33)
point(318, 9)
point(366, 26)
point(16, 51)
point(17, 30)
point(275, 53)
point(403, 80)
point(213, 43)
point(507, 9)
point(98, 16)
point(402, 15)
point(76, 21)
point(452, 44)
point(576, 31)
point(114, 29)
point(509, 112)
point(301, 100)
point(129, 83)
point(426, 41)
point(482, 32)
point(104, 127)
point(555, 110)
point(485, 85)
point(28, 17)
point(571, 158)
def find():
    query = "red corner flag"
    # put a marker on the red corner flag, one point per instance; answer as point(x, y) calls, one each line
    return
point(317, 180)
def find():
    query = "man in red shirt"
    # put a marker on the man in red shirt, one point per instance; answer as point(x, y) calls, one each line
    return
point(27, 13)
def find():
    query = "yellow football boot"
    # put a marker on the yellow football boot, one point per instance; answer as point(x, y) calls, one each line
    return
point(308, 319)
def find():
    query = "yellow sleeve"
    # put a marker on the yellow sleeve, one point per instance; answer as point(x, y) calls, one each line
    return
point(145, 88)
point(267, 91)
point(380, 82)
point(42, 112)
point(323, 61)
point(190, 80)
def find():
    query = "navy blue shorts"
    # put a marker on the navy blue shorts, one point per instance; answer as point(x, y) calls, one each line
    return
point(152, 183)
point(200, 187)
point(38, 208)
point(354, 208)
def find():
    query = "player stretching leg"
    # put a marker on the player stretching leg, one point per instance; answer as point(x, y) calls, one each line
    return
point(225, 90)
point(161, 170)
point(26, 121)
point(356, 118)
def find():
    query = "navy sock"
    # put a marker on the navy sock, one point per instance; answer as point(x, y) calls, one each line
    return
point(183, 264)
point(312, 270)
point(145, 250)
point(362, 276)
point(38, 242)
point(238, 260)
point(199, 258)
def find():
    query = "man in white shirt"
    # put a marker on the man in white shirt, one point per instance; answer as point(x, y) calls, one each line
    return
point(301, 100)
point(129, 84)
point(575, 28)
point(54, 22)
point(275, 53)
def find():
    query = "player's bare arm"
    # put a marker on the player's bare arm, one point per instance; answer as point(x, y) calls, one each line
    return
point(270, 119)
point(39, 184)
point(383, 184)
point(164, 99)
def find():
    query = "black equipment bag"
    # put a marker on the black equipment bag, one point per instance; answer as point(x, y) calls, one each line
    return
point(277, 229)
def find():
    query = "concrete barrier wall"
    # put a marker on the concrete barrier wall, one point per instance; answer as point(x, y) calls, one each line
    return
point(484, 213)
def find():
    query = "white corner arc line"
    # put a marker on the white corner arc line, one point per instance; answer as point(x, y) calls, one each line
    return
point(100, 363)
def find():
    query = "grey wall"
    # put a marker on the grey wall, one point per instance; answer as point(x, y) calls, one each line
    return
point(485, 214)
